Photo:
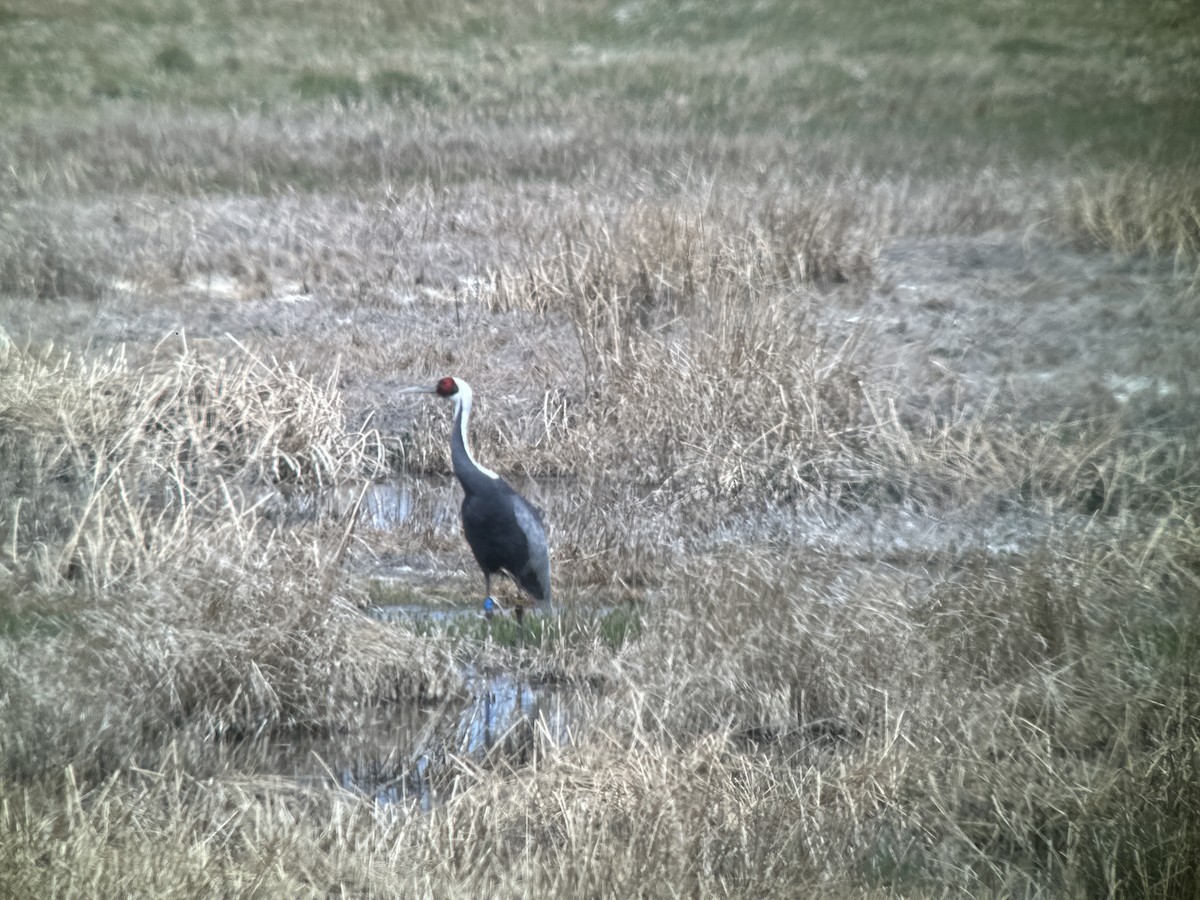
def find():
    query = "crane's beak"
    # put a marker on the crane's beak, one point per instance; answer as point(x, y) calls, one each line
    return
point(418, 390)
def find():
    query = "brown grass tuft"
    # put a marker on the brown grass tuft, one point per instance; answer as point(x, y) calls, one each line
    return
point(1135, 212)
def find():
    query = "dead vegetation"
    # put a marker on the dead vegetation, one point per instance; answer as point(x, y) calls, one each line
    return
point(1136, 212)
point(869, 457)
point(1007, 722)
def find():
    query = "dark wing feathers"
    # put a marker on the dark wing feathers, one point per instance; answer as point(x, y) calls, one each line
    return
point(535, 575)
point(506, 533)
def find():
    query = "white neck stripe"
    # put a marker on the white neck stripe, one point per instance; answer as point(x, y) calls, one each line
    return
point(462, 404)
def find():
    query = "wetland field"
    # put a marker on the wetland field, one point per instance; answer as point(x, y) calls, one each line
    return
point(851, 350)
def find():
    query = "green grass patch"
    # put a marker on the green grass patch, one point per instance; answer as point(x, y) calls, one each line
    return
point(565, 629)
point(18, 624)
point(177, 59)
point(312, 85)
point(1037, 84)
point(398, 86)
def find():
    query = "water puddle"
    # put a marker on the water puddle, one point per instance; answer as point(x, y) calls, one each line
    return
point(415, 755)
point(405, 613)
point(381, 505)
point(874, 533)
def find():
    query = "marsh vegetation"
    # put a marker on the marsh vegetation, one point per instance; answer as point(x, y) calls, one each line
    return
point(850, 349)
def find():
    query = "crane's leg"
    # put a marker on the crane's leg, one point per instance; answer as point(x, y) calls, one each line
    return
point(489, 602)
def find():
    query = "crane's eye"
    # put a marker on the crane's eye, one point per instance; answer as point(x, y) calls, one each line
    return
point(446, 387)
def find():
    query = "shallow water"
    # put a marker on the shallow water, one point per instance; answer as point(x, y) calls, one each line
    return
point(408, 612)
point(381, 505)
point(410, 757)
point(409, 753)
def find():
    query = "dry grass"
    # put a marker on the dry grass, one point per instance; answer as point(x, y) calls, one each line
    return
point(1139, 212)
point(852, 374)
point(685, 334)
point(1025, 728)
point(991, 722)
point(958, 719)
point(147, 586)
point(138, 451)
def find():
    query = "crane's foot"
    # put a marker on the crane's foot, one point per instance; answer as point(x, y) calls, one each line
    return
point(492, 608)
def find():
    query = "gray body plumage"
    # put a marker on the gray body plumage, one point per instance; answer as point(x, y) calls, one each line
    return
point(504, 531)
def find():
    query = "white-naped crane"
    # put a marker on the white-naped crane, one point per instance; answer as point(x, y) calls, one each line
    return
point(504, 531)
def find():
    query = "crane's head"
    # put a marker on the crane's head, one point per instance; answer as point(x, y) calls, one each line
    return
point(450, 388)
